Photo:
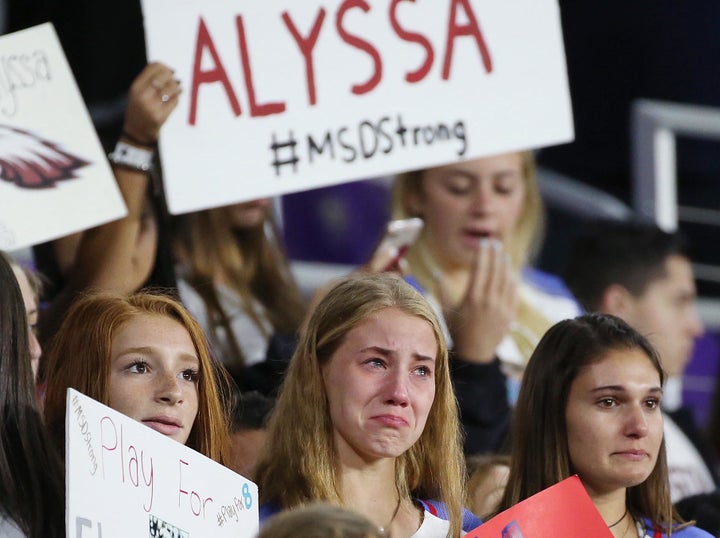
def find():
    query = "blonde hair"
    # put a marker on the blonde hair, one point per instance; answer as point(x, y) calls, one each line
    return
point(523, 245)
point(300, 463)
point(319, 520)
point(253, 264)
point(80, 355)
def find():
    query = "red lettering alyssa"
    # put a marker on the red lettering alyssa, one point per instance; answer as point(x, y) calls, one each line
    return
point(361, 44)
point(255, 109)
point(412, 37)
point(218, 74)
point(306, 45)
point(456, 30)
point(215, 74)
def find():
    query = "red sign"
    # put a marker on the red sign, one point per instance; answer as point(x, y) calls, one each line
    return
point(564, 510)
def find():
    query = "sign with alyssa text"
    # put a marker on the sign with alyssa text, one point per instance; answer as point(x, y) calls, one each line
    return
point(281, 96)
point(564, 510)
point(125, 479)
point(54, 175)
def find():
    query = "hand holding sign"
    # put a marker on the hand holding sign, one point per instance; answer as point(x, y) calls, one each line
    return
point(153, 96)
point(564, 510)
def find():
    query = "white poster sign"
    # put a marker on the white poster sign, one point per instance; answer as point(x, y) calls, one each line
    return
point(280, 96)
point(54, 175)
point(125, 479)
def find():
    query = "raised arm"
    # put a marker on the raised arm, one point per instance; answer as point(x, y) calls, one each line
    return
point(119, 256)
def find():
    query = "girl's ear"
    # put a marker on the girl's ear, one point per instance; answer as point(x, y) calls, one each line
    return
point(617, 300)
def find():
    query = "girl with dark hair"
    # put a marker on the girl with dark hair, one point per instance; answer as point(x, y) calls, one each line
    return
point(31, 482)
point(589, 405)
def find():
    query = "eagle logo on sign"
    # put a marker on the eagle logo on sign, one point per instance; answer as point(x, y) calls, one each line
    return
point(32, 162)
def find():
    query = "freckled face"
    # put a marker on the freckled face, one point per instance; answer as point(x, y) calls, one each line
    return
point(464, 202)
point(614, 422)
point(154, 375)
point(380, 385)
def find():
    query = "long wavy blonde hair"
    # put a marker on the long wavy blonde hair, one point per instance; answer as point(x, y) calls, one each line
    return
point(300, 463)
point(523, 245)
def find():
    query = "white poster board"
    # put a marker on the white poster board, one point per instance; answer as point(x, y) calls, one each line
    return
point(125, 479)
point(54, 175)
point(281, 96)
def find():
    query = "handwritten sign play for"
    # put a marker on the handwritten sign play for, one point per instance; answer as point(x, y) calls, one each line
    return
point(281, 96)
point(564, 510)
point(54, 175)
point(125, 479)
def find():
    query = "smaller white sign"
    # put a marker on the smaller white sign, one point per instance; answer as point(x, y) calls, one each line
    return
point(125, 479)
point(54, 175)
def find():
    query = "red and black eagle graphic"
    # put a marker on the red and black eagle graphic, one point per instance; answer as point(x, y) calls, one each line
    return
point(32, 162)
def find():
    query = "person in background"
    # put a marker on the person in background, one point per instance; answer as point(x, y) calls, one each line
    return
point(589, 405)
point(146, 357)
point(705, 509)
point(366, 416)
point(127, 254)
point(32, 500)
point(319, 520)
point(231, 270)
point(713, 427)
point(248, 431)
point(483, 224)
point(235, 279)
point(30, 288)
point(227, 263)
point(643, 275)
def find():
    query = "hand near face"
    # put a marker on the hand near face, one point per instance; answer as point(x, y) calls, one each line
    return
point(483, 317)
point(153, 96)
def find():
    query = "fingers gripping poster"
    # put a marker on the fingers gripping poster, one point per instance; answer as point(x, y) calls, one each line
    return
point(125, 479)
